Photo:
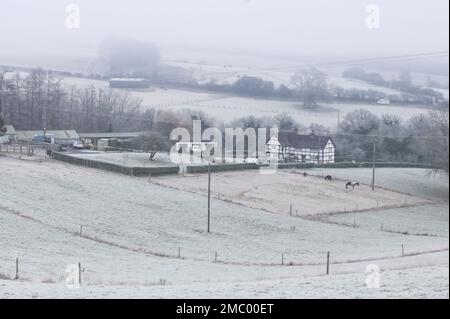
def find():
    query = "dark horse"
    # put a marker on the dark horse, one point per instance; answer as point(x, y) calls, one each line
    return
point(328, 178)
point(352, 184)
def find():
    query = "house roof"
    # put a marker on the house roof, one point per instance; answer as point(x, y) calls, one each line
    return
point(60, 134)
point(296, 140)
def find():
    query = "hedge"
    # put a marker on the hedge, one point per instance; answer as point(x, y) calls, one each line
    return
point(221, 167)
point(136, 171)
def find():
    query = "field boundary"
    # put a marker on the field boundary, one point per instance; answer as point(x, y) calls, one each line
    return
point(147, 252)
point(354, 165)
point(116, 168)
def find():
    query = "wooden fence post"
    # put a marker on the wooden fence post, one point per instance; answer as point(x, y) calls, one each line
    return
point(79, 273)
point(328, 263)
point(17, 269)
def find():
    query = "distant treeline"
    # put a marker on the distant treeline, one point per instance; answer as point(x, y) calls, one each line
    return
point(308, 86)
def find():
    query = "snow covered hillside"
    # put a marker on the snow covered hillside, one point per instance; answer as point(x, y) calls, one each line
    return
point(141, 239)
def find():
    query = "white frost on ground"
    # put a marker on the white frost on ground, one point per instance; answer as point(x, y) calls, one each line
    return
point(133, 229)
point(308, 195)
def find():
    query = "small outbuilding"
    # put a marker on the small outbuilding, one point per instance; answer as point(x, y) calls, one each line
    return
point(61, 137)
point(129, 83)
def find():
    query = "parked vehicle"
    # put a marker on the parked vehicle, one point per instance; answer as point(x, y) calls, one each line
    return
point(79, 145)
point(47, 138)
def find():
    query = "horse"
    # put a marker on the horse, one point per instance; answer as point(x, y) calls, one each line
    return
point(328, 178)
point(352, 184)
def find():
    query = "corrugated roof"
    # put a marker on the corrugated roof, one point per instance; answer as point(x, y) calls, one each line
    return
point(127, 80)
point(59, 134)
point(110, 135)
point(296, 140)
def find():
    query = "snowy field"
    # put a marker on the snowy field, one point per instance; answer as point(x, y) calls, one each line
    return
point(223, 68)
point(133, 231)
point(228, 108)
point(310, 195)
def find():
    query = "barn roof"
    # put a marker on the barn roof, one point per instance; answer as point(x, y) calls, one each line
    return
point(59, 134)
point(111, 135)
point(296, 140)
point(127, 80)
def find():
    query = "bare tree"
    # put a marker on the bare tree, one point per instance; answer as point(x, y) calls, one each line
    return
point(151, 142)
point(2, 122)
point(440, 126)
point(360, 122)
point(311, 86)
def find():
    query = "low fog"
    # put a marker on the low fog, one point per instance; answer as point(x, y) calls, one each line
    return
point(289, 28)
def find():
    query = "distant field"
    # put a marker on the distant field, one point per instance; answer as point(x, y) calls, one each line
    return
point(222, 68)
point(228, 108)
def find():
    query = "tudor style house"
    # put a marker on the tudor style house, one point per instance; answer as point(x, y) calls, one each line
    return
point(291, 147)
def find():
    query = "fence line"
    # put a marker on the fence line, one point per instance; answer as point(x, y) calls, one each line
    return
point(116, 168)
point(15, 271)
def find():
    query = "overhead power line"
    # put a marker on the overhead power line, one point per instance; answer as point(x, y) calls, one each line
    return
point(394, 58)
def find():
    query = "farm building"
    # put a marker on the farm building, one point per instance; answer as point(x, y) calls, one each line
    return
point(93, 138)
point(62, 137)
point(129, 83)
point(291, 147)
point(195, 147)
point(10, 133)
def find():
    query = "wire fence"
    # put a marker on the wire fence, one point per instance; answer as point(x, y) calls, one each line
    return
point(90, 271)
point(26, 149)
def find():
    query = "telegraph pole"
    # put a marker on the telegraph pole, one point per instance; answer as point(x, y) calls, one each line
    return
point(44, 119)
point(339, 122)
point(373, 165)
point(209, 196)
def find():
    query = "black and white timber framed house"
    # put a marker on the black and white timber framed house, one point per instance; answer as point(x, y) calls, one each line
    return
point(291, 147)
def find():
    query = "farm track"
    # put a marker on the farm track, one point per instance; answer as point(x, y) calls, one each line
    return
point(236, 263)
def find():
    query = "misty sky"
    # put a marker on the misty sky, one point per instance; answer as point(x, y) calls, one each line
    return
point(263, 26)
